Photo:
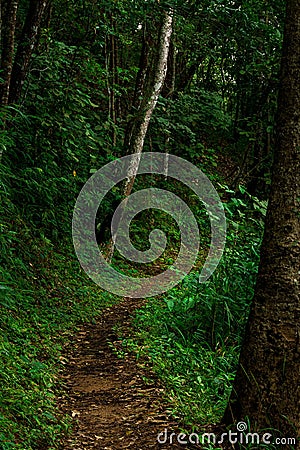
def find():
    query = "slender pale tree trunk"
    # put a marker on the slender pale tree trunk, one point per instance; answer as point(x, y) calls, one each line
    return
point(267, 384)
point(147, 106)
point(150, 100)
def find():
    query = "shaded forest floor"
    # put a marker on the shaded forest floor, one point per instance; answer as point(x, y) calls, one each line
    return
point(117, 402)
point(112, 400)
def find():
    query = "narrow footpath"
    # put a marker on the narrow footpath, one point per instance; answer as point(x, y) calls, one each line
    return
point(113, 407)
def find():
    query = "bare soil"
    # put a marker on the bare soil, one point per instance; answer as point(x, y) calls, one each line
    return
point(113, 405)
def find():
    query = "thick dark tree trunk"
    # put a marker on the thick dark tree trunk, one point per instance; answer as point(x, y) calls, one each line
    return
point(26, 46)
point(185, 76)
point(8, 25)
point(266, 388)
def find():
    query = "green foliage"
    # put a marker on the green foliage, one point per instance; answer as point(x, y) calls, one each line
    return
point(70, 120)
point(193, 333)
point(44, 295)
point(193, 122)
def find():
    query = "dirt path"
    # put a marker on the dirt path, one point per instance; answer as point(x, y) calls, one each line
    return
point(114, 408)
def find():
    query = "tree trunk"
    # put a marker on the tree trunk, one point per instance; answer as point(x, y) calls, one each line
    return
point(26, 46)
point(111, 64)
point(150, 99)
point(139, 87)
point(169, 85)
point(147, 107)
point(8, 26)
point(113, 78)
point(266, 388)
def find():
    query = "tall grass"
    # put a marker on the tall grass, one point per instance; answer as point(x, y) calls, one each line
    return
point(44, 296)
point(192, 334)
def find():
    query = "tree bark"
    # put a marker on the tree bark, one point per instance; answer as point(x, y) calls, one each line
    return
point(26, 46)
point(111, 65)
point(8, 25)
point(139, 88)
point(147, 106)
point(150, 100)
point(113, 78)
point(266, 388)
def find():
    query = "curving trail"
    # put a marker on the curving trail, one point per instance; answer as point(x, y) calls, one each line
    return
point(112, 405)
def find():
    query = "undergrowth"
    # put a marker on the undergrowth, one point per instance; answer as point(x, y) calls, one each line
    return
point(192, 334)
point(44, 296)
